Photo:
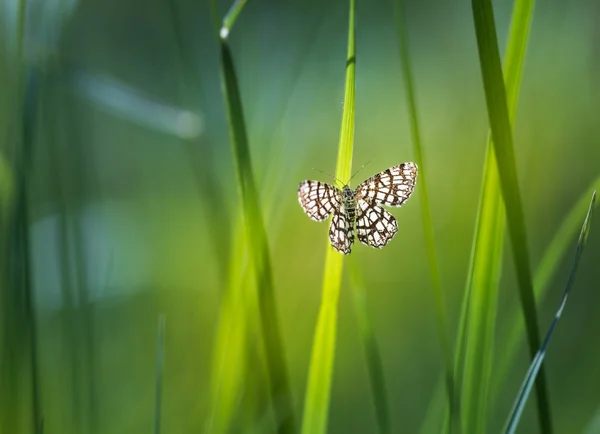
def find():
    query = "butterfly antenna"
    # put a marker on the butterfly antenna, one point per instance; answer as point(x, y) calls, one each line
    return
point(361, 168)
point(331, 176)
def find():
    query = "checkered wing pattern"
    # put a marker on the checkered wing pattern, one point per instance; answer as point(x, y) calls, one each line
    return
point(318, 199)
point(341, 233)
point(375, 226)
point(391, 187)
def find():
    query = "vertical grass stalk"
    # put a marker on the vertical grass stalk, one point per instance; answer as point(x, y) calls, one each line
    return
point(316, 403)
point(438, 296)
point(159, 372)
point(259, 258)
point(486, 253)
point(500, 125)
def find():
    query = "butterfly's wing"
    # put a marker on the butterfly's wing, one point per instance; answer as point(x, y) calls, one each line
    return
point(341, 233)
point(375, 226)
point(391, 187)
point(318, 199)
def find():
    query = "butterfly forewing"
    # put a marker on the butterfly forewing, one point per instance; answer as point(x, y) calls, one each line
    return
point(391, 187)
point(375, 226)
point(318, 199)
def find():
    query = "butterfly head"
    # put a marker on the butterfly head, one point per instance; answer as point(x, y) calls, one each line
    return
point(347, 193)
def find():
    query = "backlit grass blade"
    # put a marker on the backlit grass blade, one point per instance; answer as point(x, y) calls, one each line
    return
point(548, 265)
point(480, 309)
point(536, 364)
point(372, 352)
point(259, 256)
point(438, 296)
point(316, 403)
point(498, 114)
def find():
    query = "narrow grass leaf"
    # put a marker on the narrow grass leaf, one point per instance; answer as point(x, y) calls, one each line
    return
point(230, 17)
point(316, 404)
point(371, 347)
point(473, 356)
point(548, 265)
point(259, 257)
point(536, 364)
point(158, 376)
point(498, 114)
point(438, 295)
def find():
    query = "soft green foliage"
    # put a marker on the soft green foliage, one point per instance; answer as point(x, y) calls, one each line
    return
point(434, 272)
point(320, 375)
point(150, 191)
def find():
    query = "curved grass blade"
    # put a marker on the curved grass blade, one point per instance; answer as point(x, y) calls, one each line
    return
point(259, 257)
point(536, 364)
point(496, 102)
point(438, 296)
point(541, 283)
point(316, 403)
point(372, 353)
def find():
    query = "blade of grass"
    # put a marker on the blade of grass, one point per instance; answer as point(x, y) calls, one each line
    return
point(496, 101)
point(548, 265)
point(479, 313)
point(279, 387)
point(231, 342)
point(486, 253)
point(158, 376)
point(316, 403)
point(434, 273)
point(371, 347)
point(536, 364)
point(231, 17)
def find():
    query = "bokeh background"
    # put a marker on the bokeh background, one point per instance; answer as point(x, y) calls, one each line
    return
point(134, 205)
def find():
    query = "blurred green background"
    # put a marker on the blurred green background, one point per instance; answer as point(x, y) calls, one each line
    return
point(133, 202)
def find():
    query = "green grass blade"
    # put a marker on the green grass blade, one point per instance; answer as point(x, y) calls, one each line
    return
point(548, 265)
point(158, 379)
point(229, 355)
point(536, 364)
point(498, 114)
point(259, 258)
point(486, 257)
point(438, 296)
point(316, 404)
point(230, 17)
point(372, 352)
point(480, 309)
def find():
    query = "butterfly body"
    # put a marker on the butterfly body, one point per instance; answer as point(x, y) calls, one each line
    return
point(360, 209)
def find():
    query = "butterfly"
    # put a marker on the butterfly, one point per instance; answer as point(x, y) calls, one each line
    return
point(360, 208)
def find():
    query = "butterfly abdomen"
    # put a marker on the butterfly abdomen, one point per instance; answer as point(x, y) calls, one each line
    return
point(349, 203)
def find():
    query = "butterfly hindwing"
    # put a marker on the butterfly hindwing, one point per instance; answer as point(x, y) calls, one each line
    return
point(375, 226)
point(341, 233)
